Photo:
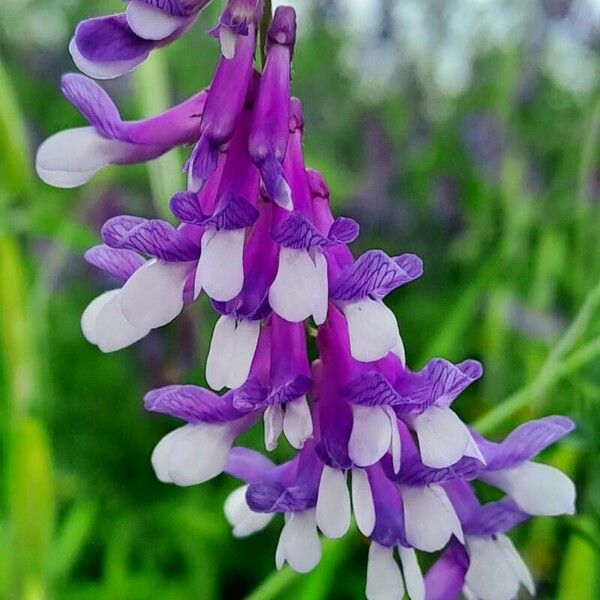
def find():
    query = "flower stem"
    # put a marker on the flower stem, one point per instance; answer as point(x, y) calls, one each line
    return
point(264, 26)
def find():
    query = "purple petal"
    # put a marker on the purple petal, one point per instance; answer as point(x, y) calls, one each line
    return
point(248, 465)
point(272, 496)
point(271, 172)
point(440, 382)
point(192, 404)
point(121, 264)
point(415, 473)
point(178, 8)
point(94, 104)
point(250, 396)
point(204, 159)
point(495, 517)
point(343, 231)
point(236, 214)
point(445, 579)
point(528, 440)
point(116, 228)
point(371, 389)
point(292, 390)
point(375, 274)
point(186, 207)
point(109, 39)
point(317, 185)
point(155, 238)
point(298, 232)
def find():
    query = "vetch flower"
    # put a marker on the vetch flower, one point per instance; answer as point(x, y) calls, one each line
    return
point(109, 46)
point(71, 157)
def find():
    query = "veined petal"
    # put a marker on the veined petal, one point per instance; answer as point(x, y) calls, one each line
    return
point(220, 268)
point(153, 295)
point(333, 503)
point(371, 435)
point(384, 580)
point(538, 489)
point(443, 437)
point(244, 521)
point(372, 328)
point(151, 23)
point(232, 349)
point(362, 502)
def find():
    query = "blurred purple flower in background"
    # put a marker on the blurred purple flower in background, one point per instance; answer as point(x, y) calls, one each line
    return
point(257, 235)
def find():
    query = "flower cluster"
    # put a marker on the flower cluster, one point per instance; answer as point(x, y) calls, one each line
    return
point(257, 236)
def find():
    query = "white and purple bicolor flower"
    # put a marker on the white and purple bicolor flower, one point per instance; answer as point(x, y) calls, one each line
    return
point(422, 400)
point(154, 290)
point(71, 157)
point(228, 93)
point(199, 450)
point(269, 130)
point(109, 46)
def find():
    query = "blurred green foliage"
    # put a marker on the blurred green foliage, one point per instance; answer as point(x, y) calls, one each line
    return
point(497, 191)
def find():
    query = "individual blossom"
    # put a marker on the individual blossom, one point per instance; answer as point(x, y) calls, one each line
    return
point(71, 157)
point(109, 46)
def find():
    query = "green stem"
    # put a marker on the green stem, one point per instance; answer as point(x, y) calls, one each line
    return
point(274, 585)
point(264, 26)
point(153, 96)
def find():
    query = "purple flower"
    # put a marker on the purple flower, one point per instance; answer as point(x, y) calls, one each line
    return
point(106, 47)
point(372, 438)
point(71, 157)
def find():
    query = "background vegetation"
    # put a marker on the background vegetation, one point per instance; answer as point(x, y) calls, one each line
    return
point(466, 131)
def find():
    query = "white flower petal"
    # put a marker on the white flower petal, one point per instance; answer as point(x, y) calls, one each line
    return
point(429, 518)
point(71, 157)
point(395, 447)
point(228, 40)
point(384, 580)
point(443, 437)
point(90, 315)
point(489, 576)
point(538, 489)
point(300, 544)
point(371, 435)
point(221, 267)
point(103, 70)
point(473, 450)
point(516, 562)
point(372, 328)
point(413, 577)
point(333, 503)
point(297, 422)
point(113, 330)
point(232, 349)
point(244, 521)
point(193, 453)
point(273, 421)
point(399, 351)
point(153, 295)
point(321, 304)
point(297, 290)
point(151, 23)
point(362, 502)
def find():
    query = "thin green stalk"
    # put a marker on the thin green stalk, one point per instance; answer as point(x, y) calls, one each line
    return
point(274, 585)
point(519, 399)
point(153, 96)
point(264, 26)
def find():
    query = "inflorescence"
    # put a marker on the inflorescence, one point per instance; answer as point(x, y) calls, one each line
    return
point(257, 236)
